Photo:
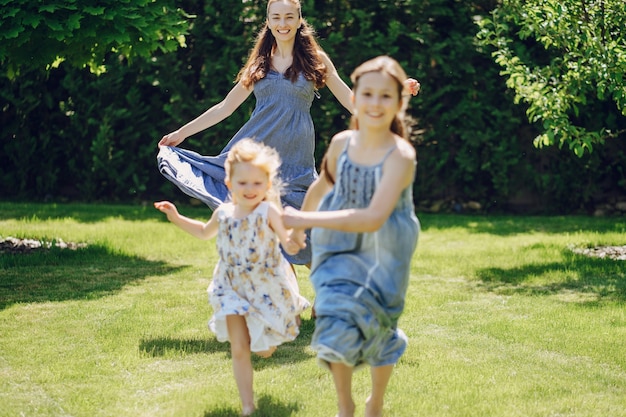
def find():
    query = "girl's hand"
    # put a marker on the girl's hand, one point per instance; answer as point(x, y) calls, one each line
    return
point(298, 237)
point(412, 86)
point(172, 139)
point(166, 207)
point(291, 247)
point(291, 218)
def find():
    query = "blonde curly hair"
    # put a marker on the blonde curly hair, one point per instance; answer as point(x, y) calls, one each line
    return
point(262, 157)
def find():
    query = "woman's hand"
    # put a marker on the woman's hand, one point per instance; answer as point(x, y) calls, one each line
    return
point(172, 139)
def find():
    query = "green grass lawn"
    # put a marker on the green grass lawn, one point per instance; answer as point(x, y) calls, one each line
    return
point(504, 319)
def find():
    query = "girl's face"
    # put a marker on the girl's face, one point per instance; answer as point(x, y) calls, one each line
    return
point(283, 19)
point(248, 184)
point(376, 100)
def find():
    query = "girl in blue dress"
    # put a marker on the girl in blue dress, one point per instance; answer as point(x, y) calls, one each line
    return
point(363, 236)
point(285, 69)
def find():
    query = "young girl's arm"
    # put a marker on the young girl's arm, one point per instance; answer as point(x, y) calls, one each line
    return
point(398, 172)
point(276, 223)
point(195, 228)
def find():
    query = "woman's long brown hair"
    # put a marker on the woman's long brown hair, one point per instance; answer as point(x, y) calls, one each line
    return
point(306, 55)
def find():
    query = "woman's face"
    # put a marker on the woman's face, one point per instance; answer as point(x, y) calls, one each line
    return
point(283, 19)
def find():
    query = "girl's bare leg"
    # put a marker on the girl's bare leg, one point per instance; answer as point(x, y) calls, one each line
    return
point(342, 375)
point(242, 363)
point(380, 379)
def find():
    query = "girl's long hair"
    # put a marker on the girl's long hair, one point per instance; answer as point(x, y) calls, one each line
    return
point(391, 67)
point(306, 55)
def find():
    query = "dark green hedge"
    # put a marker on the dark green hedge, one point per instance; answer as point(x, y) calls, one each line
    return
point(73, 135)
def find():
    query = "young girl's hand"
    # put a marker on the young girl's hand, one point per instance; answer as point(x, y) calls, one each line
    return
point(412, 86)
point(298, 237)
point(166, 207)
point(291, 247)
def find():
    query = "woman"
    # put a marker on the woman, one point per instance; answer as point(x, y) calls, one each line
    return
point(285, 69)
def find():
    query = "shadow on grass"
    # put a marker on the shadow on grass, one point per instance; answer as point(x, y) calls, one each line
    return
point(588, 280)
point(61, 274)
point(92, 213)
point(168, 346)
point(287, 353)
point(267, 407)
point(503, 225)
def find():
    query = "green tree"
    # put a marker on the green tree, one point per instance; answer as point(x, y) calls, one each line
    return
point(565, 59)
point(40, 35)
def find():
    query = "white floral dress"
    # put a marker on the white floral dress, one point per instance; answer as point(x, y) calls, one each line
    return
point(253, 279)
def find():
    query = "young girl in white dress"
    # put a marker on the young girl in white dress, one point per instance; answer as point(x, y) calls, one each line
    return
point(254, 292)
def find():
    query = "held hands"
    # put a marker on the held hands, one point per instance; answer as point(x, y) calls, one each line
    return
point(292, 219)
point(172, 139)
point(292, 247)
point(297, 237)
point(412, 86)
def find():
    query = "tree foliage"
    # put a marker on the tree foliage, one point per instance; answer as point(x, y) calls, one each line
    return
point(69, 134)
point(40, 35)
point(563, 58)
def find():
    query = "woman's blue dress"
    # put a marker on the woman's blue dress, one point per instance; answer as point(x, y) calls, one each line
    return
point(281, 119)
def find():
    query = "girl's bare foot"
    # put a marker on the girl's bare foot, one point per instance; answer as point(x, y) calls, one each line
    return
point(266, 353)
point(373, 410)
point(348, 412)
point(248, 411)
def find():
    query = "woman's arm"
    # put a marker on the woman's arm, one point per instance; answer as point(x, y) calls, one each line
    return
point(195, 228)
point(343, 93)
point(336, 85)
point(209, 118)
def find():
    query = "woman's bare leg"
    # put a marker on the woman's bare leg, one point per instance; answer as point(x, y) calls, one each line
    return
point(342, 376)
point(380, 379)
point(242, 363)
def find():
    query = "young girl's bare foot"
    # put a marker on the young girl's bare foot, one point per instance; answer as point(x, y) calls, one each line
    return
point(248, 411)
point(373, 410)
point(266, 353)
point(348, 411)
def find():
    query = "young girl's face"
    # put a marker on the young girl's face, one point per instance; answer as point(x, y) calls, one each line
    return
point(376, 100)
point(248, 184)
point(283, 19)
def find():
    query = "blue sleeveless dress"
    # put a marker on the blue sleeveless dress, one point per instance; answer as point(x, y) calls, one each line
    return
point(361, 279)
point(282, 120)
